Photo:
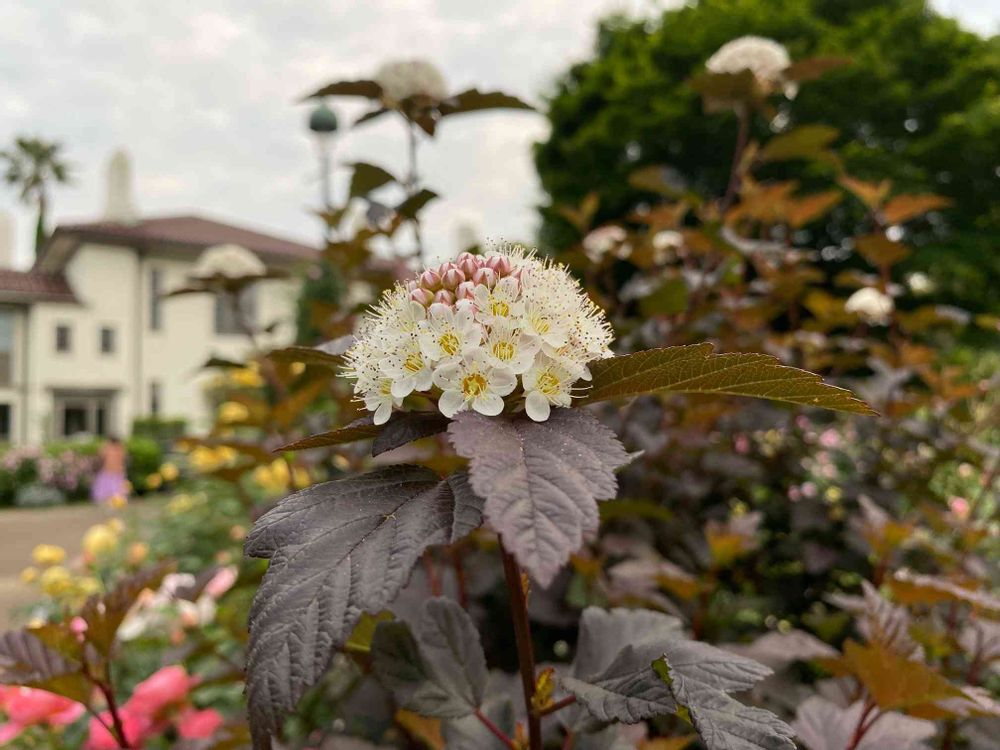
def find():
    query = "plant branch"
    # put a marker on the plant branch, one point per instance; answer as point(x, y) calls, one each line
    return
point(522, 635)
point(116, 719)
point(569, 700)
point(495, 730)
point(743, 113)
point(862, 726)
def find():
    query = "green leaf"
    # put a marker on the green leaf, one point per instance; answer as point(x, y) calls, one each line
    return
point(670, 298)
point(695, 369)
point(442, 673)
point(806, 142)
point(368, 177)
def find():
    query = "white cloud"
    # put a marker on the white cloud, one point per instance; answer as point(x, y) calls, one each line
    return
point(203, 94)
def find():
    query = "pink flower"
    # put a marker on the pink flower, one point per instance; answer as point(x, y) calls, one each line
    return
point(221, 582)
point(959, 507)
point(135, 726)
point(193, 724)
point(27, 707)
point(741, 444)
point(829, 438)
point(164, 689)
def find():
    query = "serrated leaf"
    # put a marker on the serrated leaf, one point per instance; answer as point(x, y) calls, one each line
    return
point(803, 210)
point(541, 480)
point(425, 730)
point(367, 178)
point(805, 142)
point(902, 208)
point(879, 250)
point(813, 67)
point(405, 427)
point(779, 649)
point(604, 631)
point(26, 661)
point(695, 369)
point(700, 676)
point(823, 725)
point(442, 672)
point(872, 194)
point(104, 612)
point(915, 588)
point(893, 680)
point(469, 733)
point(360, 429)
point(338, 549)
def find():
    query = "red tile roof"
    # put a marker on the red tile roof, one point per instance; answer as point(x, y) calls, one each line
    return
point(193, 232)
point(32, 286)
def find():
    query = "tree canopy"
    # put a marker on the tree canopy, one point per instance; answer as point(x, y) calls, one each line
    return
point(919, 104)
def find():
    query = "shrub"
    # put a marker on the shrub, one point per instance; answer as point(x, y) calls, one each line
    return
point(144, 459)
point(37, 495)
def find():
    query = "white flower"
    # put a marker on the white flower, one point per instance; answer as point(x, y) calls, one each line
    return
point(765, 58)
point(408, 368)
point(449, 332)
point(472, 382)
point(227, 261)
point(401, 79)
point(873, 306)
point(604, 240)
point(506, 346)
point(548, 382)
point(920, 283)
point(473, 328)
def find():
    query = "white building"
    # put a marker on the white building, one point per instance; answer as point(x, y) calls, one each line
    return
point(87, 340)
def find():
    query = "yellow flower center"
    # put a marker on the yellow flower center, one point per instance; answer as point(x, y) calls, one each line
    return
point(541, 325)
point(500, 308)
point(548, 383)
point(473, 384)
point(503, 350)
point(414, 363)
point(448, 343)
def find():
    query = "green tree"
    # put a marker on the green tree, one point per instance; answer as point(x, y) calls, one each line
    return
point(31, 165)
point(918, 105)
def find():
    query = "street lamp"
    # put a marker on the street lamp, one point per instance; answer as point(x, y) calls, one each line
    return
point(323, 122)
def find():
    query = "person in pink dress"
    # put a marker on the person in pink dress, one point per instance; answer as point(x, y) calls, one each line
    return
point(110, 481)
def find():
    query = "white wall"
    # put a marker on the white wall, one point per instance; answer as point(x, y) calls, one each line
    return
point(113, 285)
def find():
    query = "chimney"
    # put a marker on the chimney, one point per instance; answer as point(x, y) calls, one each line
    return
point(6, 240)
point(120, 204)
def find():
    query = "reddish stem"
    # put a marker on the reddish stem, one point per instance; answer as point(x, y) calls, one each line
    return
point(495, 730)
point(861, 728)
point(522, 636)
point(557, 706)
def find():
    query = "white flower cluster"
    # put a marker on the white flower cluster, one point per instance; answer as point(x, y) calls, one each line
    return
point(464, 333)
point(765, 58)
point(871, 305)
point(401, 79)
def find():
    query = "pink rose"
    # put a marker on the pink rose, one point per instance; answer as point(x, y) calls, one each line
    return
point(221, 582)
point(27, 707)
point(164, 689)
point(193, 724)
point(135, 726)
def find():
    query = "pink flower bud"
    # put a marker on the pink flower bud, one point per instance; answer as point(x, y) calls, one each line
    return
point(465, 290)
point(430, 280)
point(468, 265)
point(462, 257)
point(452, 278)
point(444, 297)
point(438, 308)
point(411, 285)
point(444, 268)
point(485, 276)
point(500, 265)
point(422, 296)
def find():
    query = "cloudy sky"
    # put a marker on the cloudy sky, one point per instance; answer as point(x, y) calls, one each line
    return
point(202, 94)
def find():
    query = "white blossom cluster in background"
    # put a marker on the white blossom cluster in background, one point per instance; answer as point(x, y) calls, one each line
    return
point(467, 331)
point(765, 58)
point(872, 305)
point(401, 79)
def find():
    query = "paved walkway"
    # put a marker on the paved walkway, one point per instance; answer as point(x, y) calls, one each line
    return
point(22, 528)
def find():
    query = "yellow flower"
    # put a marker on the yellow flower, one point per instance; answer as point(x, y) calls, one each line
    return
point(180, 504)
point(56, 581)
point(237, 533)
point(233, 412)
point(301, 478)
point(118, 502)
point(99, 540)
point(341, 462)
point(298, 368)
point(153, 481)
point(29, 575)
point(48, 554)
point(246, 377)
point(169, 472)
point(137, 553)
point(87, 585)
point(116, 525)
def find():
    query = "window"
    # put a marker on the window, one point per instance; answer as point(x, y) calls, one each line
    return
point(155, 398)
point(227, 321)
point(107, 340)
point(64, 338)
point(155, 299)
point(82, 413)
point(6, 347)
point(4, 423)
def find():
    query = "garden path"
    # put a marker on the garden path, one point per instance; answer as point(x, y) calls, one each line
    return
point(22, 528)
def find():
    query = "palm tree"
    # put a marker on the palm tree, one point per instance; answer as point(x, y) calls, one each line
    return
point(31, 165)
